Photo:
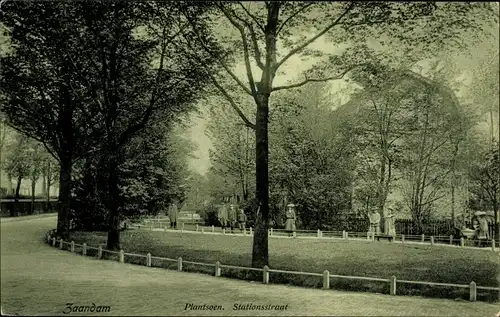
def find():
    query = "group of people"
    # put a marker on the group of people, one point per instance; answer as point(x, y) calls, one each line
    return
point(389, 227)
point(231, 218)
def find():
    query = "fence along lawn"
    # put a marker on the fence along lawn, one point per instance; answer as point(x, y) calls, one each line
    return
point(340, 257)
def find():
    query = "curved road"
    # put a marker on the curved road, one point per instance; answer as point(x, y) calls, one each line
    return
point(37, 279)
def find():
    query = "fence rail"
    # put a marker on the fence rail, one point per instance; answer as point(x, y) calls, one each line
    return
point(400, 238)
point(326, 276)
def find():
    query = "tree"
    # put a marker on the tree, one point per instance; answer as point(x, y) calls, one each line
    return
point(133, 78)
point(40, 95)
point(273, 23)
point(485, 174)
point(436, 117)
point(18, 165)
point(378, 123)
point(3, 137)
point(35, 162)
point(231, 157)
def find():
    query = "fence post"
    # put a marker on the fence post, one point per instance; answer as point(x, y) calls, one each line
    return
point(423, 237)
point(217, 268)
point(343, 234)
point(202, 230)
point(493, 245)
point(61, 243)
point(462, 242)
point(265, 275)
point(473, 291)
point(99, 252)
point(346, 235)
point(84, 251)
point(179, 264)
point(122, 256)
point(326, 279)
point(196, 227)
point(271, 231)
point(393, 285)
point(182, 227)
point(402, 238)
point(223, 230)
point(432, 240)
point(148, 259)
point(72, 246)
point(451, 239)
point(213, 229)
point(251, 233)
point(319, 233)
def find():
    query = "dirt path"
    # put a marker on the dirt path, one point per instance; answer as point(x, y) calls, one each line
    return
point(39, 280)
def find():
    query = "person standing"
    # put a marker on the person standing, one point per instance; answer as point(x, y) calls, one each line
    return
point(232, 217)
point(374, 217)
point(242, 219)
point(223, 215)
point(172, 214)
point(290, 220)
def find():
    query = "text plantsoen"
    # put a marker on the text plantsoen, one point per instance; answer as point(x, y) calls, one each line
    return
point(190, 306)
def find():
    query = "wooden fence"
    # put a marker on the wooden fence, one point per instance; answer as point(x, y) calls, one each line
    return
point(439, 240)
point(407, 227)
point(217, 267)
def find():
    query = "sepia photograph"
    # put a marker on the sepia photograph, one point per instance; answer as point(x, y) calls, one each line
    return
point(249, 158)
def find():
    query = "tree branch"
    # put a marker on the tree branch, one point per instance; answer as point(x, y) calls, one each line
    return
point(233, 104)
point(314, 38)
point(253, 17)
point(308, 80)
point(240, 83)
point(248, 66)
point(222, 90)
point(256, 51)
point(292, 16)
point(149, 111)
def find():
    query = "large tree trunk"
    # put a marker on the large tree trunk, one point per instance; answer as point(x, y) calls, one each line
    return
point(260, 254)
point(65, 121)
point(113, 242)
point(64, 198)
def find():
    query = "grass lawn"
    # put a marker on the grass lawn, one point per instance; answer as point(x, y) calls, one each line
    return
point(359, 258)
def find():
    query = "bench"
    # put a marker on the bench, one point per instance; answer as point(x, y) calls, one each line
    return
point(383, 236)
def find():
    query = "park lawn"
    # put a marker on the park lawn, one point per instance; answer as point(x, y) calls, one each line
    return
point(340, 257)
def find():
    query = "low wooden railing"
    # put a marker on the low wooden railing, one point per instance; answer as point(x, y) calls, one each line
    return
point(326, 276)
point(401, 238)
